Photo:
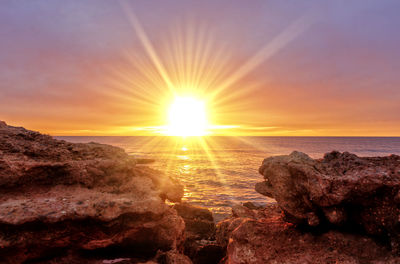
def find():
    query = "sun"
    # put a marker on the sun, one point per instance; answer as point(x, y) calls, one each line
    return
point(187, 116)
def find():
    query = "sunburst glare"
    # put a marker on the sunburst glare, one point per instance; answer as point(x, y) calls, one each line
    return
point(186, 85)
point(187, 117)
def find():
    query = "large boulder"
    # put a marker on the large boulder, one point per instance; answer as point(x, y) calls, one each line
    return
point(341, 189)
point(77, 203)
point(262, 236)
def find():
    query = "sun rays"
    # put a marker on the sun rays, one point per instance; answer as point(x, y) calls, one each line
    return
point(187, 61)
point(184, 82)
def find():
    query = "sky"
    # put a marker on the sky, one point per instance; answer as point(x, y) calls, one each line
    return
point(279, 68)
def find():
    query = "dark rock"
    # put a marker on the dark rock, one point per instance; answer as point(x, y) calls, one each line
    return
point(200, 244)
point(171, 257)
point(210, 253)
point(199, 221)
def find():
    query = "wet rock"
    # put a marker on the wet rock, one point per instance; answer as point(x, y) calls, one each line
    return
point(82, 203)
point(341, 189)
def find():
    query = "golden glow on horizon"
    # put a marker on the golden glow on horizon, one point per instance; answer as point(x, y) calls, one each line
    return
point(187, 117)
point(250, 88)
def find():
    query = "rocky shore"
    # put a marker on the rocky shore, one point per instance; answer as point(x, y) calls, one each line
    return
point(340, 209)
point(92, 203)
point(82, 203)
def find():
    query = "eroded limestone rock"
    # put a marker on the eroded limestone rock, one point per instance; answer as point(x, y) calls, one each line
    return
point(78, 203)
point(341, 189)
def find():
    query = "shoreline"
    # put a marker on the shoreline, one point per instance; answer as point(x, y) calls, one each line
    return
point(231, 176)
point(67, 202)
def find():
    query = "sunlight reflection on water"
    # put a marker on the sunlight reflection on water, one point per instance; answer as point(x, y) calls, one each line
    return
point(226, 172)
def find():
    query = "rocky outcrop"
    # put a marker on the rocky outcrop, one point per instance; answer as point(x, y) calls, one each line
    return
point(339, 209)
point(341, 189)
point(263, 236)
point(200, 244)
point(90, 203)
point(83, 203)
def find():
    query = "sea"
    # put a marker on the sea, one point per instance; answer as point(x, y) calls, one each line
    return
point(218, 172)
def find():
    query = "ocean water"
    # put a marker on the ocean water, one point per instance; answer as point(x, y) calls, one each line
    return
point(218, 172)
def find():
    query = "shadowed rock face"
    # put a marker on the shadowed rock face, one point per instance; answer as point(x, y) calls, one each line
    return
point(200, 244)
point(82, 201)
point(341, 189)
point(262, 236)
